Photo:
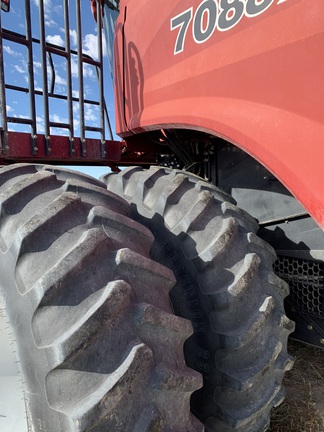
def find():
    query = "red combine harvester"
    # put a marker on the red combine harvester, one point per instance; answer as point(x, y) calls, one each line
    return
point(161, 298)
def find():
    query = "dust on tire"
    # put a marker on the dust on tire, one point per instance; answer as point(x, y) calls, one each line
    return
point(225, 286)
point(98, 344)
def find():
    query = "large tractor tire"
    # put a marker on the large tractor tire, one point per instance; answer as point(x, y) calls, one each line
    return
point(225, 286)
point(88, 312)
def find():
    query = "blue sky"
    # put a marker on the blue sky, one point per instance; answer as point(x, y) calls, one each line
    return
point(15, 59)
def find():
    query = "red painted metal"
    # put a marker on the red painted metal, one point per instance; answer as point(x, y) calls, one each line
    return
point(259, 85)
point(136, 152)
point(20, 150)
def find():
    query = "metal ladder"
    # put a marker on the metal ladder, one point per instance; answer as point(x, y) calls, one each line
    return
point(47, 147)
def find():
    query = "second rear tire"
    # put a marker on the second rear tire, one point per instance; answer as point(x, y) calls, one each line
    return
point(225, 286)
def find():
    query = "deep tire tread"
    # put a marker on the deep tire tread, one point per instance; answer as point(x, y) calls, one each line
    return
point(236, 289)
point(84, 278)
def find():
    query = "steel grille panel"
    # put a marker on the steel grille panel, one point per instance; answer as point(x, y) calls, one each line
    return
point(306, 282)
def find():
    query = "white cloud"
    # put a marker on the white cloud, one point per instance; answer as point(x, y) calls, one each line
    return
point(55, 40)
point(59, 9)
point(88, 90)
point(49, 22)
point(88, 71)
point(40, 124)
point(73, 35)
point(20, 69)
point(59, 80)
point(74, 66)
point(76, 124)
point(21, 116)
point(37, 64)
point(48, 11)
point(57, 119)
point(57, 130)
point(91, 113)
point(9, 109)
point(90, 45)
point(10, 51)
point(47, 3)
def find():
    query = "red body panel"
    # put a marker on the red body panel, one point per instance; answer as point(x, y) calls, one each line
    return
point(259, 84)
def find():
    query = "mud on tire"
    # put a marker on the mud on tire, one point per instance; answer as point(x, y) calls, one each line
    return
point(99, 347)
point(225, 286)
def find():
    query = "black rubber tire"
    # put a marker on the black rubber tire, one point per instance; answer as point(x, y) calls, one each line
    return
point(225, 286)
point(99, 347)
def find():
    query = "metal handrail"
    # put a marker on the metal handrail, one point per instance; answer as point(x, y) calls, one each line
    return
point(47, 92)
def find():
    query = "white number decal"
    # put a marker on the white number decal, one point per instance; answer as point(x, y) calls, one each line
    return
point(231, 13)
point(212, 14)
point(182, 20)
point(256, 7)
point(203, 31)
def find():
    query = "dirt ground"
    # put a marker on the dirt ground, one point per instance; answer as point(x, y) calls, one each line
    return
point(303, 408)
